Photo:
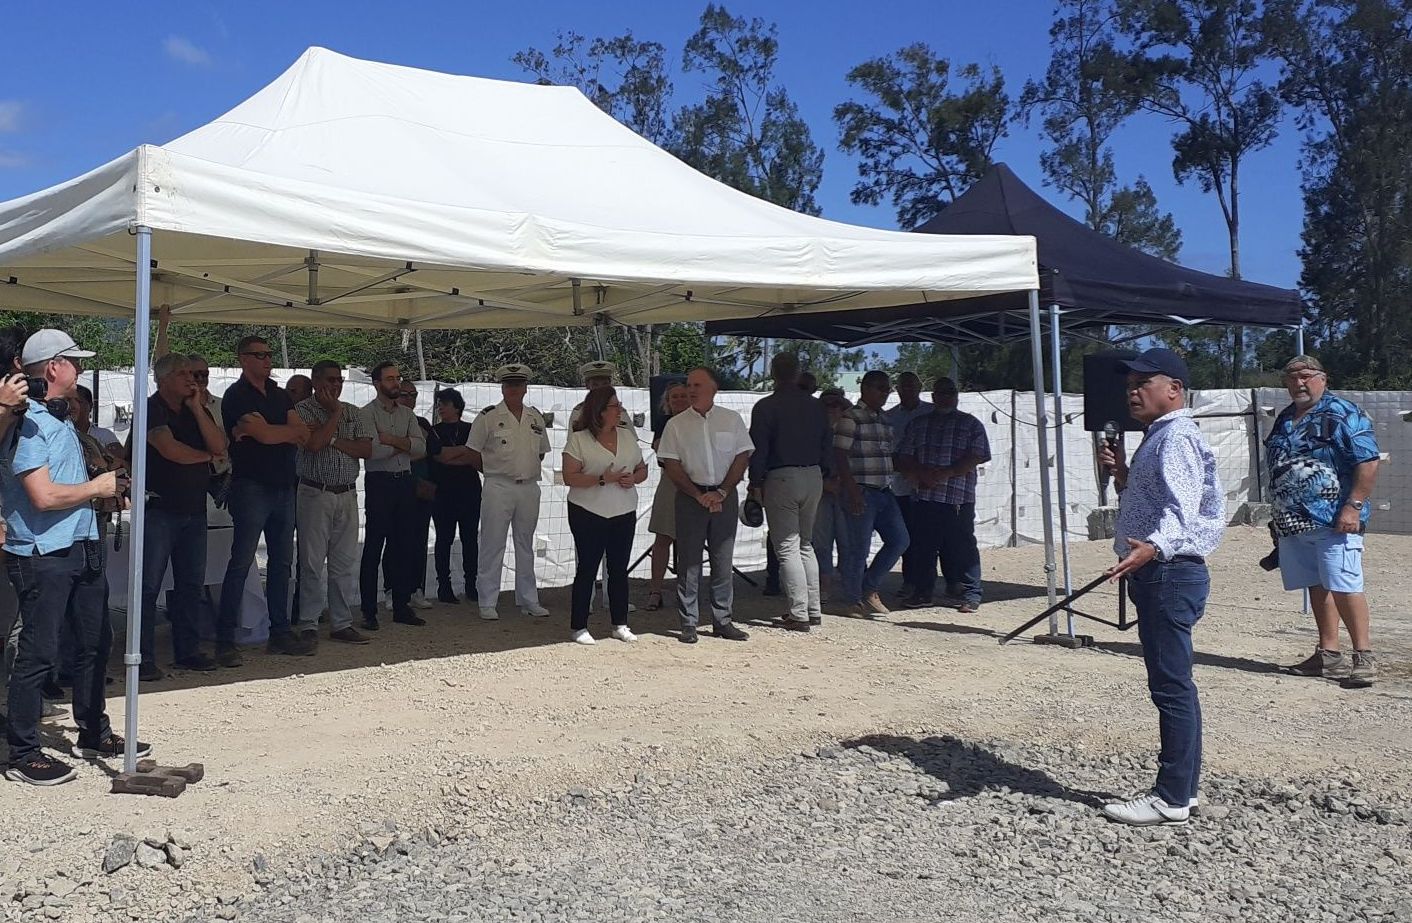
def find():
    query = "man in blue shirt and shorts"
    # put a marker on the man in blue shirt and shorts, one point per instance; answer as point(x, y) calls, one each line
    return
point(1323, 459)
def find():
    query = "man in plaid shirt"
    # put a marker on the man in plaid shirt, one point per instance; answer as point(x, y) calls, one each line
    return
point(940, 453)
point(863, 448)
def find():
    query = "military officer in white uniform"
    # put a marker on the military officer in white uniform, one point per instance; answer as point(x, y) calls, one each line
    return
point(595, 375)
point(508, 442)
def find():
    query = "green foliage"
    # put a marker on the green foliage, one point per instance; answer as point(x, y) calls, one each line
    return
point(1347, 68)
point(920, 143)
point(1085, 97)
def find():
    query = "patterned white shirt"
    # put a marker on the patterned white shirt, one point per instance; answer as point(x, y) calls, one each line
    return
point(1173, 498)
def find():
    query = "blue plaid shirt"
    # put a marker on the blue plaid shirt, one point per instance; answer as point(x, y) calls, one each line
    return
point(939, 439)
point(1312, 460)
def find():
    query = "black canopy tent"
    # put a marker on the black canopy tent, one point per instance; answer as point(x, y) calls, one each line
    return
point(1086, 278)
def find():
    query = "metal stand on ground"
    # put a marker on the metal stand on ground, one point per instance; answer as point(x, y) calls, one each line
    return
point(1066, 605)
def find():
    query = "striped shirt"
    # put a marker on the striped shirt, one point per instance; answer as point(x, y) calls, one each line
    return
point(867, 438)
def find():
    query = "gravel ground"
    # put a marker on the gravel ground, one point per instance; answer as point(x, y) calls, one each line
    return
point(493, 771)
point(887, 827)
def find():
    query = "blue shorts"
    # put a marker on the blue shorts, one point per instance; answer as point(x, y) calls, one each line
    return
point(1324, 558)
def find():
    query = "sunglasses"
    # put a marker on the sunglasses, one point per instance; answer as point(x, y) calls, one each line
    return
point(201, 376)
point(262, 356)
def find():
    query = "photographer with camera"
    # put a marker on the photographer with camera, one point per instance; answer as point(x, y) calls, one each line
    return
point(54, 559)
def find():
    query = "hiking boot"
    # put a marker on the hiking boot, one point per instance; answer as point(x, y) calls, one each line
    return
point(229, 657)
point(349, 635)
point(875, 605)
point(41, 770)
point(1364, 671)
point(111, 747)
point(287, 643)
point(1328, 664)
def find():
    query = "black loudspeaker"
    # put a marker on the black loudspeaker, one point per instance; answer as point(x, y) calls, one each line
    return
point(1105, 392)
point(658, 386)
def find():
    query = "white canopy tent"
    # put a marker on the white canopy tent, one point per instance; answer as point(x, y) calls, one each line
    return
point(357, 194)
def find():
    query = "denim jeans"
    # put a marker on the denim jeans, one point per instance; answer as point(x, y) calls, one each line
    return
point(178, 539)
point(257, 508)
point(830, 529)
point(948, 529)
point(881, 515)
point(1170, 598)
point(64, 586)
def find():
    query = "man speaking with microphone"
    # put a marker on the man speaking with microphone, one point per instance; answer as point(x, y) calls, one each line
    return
point(1171, 514)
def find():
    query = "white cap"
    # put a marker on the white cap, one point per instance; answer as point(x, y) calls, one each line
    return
point(515, 371)
point(48, 344)
point(599, 369)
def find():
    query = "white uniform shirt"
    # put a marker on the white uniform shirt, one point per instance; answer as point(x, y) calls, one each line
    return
point(399, 421)
point(509, 447)
point(609, 500)
point(706, 445)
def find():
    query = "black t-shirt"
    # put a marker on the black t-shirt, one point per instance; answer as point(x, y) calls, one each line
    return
point(175, 487)
point(454, 477)
point(266, 464)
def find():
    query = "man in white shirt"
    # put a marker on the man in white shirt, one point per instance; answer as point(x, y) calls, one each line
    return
point(705, 451)
point(389, 502)
point(508, 444)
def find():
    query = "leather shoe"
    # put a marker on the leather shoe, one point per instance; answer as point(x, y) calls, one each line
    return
point(687, 636)
point(789, 624)
point(408, 617)
point(729, 632)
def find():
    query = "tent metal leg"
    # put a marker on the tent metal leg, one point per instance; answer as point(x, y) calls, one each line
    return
point(1042, 429)
point(1057, 373)
point(132, 658)
point(1299, 340)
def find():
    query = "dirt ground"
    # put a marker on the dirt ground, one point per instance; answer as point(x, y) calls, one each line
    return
point(299, 752)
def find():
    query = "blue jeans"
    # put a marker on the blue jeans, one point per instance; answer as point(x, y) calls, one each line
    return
point(178, 539)
point(1170, 598)
point(882, 515)
point(830, 529)
point(256, 508)
point(947, 529)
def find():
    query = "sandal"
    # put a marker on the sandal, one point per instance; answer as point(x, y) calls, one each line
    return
point(654, 601)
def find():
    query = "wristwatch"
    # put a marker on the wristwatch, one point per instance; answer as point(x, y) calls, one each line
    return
point(1358, 504)
point(601, 482)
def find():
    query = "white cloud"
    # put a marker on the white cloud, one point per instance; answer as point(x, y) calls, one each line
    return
point(10, 110)
point(184, 50)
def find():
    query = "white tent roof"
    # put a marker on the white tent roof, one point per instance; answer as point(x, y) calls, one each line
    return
point(426, 199)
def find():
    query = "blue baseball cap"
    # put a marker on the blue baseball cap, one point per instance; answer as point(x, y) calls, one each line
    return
point(1158, 361)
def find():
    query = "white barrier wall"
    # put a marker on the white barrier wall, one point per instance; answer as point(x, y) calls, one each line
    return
point(1008, 509)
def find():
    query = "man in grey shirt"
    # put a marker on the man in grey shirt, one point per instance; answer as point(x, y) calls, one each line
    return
point(389, 501)
point(793, 442)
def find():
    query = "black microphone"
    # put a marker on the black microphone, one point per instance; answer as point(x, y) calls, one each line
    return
point(1110, 438)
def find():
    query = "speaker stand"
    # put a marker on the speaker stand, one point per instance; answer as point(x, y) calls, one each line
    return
point(1066, 605)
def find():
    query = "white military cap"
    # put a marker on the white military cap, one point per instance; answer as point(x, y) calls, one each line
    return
point(599, 369)
point(515, 371)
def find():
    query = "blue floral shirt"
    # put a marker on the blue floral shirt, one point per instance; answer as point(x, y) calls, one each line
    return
point(1173, 498)
point(1312, 460)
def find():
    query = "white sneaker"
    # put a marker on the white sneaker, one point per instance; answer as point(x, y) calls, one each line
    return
point(418, 601)
point(387, 601)
point(583, 637)
point(489, 613)
point(535, 610)
point(624, 633)
point(1147, 811)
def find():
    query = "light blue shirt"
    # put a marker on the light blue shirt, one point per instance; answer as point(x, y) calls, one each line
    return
point(1173, 498)
point(898, 417)
point(42, 441)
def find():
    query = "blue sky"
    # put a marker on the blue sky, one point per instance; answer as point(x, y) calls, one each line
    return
point(82, 83)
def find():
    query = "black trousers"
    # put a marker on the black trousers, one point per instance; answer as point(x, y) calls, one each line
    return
point(63, 587)
point(457, 509)
point(390, 519)
point(594, 537)
point(950, 530)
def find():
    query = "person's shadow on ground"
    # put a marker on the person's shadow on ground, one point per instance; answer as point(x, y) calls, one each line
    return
point(969, 768)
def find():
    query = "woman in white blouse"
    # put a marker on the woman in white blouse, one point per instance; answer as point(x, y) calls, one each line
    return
point(602, 468)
